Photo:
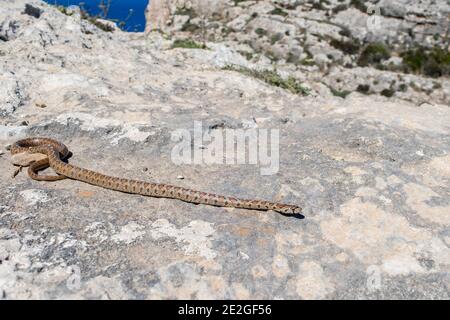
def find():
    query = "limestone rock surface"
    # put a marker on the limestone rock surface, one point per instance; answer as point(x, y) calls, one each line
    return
point(371, 172)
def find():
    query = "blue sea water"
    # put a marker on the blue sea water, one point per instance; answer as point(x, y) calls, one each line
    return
point(119, 9)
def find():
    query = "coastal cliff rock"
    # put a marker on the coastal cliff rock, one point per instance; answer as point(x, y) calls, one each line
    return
point(157, 15)
point(160, 13)
point(371, 171)
point(373, 47)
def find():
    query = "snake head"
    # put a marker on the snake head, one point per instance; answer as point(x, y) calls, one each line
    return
point(288, 209)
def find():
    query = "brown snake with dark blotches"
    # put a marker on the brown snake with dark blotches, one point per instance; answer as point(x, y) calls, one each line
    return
point(56, 152)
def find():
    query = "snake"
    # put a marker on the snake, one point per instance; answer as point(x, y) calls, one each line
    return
point(56, 152)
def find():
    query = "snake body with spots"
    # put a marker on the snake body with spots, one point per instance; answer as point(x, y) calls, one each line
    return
point(56, 152)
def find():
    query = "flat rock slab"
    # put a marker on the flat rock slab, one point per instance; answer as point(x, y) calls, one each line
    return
point(371, 173)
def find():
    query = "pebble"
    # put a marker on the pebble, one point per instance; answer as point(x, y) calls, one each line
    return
point(40, 104)
point(8, 146)
point(24, 159)
point(180, 177)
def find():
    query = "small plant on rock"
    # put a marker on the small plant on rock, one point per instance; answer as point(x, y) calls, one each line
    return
point(187, 44)
point(261, 32)
point(374, 54)
point(272, 77)
point(279, 12)
point(363, 88)
point(433, 62)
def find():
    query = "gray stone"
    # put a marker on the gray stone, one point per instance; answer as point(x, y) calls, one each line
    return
point(11, 94)
point(393, 9)
point(8, 29)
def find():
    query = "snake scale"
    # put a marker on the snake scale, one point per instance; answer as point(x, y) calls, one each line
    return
point(56, 152)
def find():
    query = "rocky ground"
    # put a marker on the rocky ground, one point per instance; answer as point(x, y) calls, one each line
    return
point(371, 172)
point(337, 46)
